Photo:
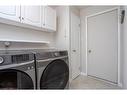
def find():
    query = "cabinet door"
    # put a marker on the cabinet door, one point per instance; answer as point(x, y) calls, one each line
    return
point(31, 15)
point(50, 18)
point(10, 13)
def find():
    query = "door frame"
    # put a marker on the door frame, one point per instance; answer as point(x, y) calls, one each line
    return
point(118, 40)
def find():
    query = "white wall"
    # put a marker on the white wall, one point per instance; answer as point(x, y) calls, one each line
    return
point(19, 33)
point(62, 34)
point(125, 50)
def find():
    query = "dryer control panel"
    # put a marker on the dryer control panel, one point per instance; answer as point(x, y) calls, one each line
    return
point(59, 53)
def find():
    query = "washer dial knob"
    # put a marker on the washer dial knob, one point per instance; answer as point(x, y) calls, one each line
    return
point(1, 60)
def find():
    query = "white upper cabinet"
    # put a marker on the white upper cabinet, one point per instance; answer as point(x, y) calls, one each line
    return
point(35, 17)
point(49, 18)
point(10, 13)
point(31, 15)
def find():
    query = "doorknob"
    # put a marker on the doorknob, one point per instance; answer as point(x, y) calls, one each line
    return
point(89, 51)
point(74, 50)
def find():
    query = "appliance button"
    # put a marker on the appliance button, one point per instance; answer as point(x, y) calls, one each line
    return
point(56, 54)
point(32, 67)
point(28, 68)
point(1, 60)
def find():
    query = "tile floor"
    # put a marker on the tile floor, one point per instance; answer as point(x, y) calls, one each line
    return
point(84, 82)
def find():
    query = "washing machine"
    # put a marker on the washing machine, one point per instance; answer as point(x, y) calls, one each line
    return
point(17, 70)
point(52, 69)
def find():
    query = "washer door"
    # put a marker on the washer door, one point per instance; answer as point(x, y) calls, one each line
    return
point(14, 79)
point(55, 75)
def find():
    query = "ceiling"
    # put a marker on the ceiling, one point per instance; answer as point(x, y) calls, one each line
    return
point(82, 7)
point(78, 7)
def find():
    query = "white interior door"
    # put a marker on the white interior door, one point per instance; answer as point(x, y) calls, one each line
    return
point(75, 45)
point(102, 32)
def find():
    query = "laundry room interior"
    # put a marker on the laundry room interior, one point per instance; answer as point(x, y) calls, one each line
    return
point(63, 47)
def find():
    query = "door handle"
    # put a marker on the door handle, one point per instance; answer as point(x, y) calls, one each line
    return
point(89, 51)
point(22, 18)
point(74, 50)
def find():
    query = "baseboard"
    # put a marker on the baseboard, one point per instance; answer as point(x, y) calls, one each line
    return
point(84, 74)
point(70, 80)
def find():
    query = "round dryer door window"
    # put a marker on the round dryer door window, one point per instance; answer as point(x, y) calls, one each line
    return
point(14, 79)
point(55, 75)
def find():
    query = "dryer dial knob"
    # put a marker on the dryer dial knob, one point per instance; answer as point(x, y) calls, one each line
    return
point(28, 68)
point(1, 60)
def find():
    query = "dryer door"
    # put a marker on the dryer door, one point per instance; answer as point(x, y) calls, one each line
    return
point(15, 79)
point(55, 75)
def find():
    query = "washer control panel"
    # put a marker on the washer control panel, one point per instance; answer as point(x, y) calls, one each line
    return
point(1, 60)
